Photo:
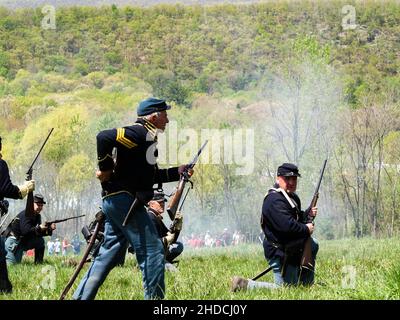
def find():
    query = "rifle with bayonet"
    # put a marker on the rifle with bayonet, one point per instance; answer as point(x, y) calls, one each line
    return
point(307, 260)
point(185, 178)
point(29, 210)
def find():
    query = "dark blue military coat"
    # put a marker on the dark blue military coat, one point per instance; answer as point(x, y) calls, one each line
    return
point(7, 189)
point(135, 168)
point(282, 224)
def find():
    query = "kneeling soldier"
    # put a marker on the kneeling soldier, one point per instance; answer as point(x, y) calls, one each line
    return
point(169, 235)
point(26, 233)
point(286, 230)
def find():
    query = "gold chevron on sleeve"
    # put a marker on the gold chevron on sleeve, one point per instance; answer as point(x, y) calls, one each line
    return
point(123, 140)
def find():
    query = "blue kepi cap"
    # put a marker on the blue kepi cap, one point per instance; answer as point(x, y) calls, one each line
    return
point(151, 105)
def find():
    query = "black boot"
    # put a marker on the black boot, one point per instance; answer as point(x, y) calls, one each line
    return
point(39, 254)
point(5, 284)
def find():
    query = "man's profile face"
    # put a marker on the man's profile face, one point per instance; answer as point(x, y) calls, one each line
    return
point(37, 207)
point(289, 184)
point(160, 122)
point(157, 206)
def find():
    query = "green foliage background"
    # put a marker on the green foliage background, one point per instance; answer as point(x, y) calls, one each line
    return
point(218, 65)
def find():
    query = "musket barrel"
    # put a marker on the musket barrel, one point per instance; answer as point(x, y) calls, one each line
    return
point(29, 211)
point(37, 155)
point(174, 202)
point(321, 176)
point(191, 165)
point(62, 220)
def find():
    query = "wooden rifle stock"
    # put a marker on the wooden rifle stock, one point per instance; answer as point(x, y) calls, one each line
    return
point(84, 258)
point(29, 209)
point(174, 202)
point(307, 260)
point(314, 200)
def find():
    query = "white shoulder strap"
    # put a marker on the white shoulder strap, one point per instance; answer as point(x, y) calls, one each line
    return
point(284, 194)
point(272, 189)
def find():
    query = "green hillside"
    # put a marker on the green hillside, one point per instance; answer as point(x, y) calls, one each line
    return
point(308, 81)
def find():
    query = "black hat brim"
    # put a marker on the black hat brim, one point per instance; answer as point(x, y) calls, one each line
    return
point(290, 175)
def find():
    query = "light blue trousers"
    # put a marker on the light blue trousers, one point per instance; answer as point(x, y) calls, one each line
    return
point(142, 236)
point(294, 275)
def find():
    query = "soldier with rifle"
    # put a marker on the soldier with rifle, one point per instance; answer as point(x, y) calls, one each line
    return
point(169, 236)
point(287, 228)
point(27, 232)
point(127, 185)
point(8, 190)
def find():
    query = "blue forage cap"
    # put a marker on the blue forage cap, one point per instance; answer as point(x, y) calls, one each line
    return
point(38, 198)
point(288, 170)
point(151, 105)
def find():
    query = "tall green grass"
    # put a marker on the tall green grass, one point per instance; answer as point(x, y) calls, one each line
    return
point(205, 274)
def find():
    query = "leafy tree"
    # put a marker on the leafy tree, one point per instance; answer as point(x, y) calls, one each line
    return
point(4, 64)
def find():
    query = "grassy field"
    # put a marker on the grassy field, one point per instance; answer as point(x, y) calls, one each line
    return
point(346, 269)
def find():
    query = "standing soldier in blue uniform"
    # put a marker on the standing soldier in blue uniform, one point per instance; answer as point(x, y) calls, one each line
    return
point(286, 229)
point(8, 190)
point(131, 175)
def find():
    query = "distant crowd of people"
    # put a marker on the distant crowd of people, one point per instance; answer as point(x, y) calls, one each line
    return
point(207, 239)
point(56, 247)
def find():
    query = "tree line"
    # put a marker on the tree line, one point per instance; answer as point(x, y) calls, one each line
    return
point(309, 89)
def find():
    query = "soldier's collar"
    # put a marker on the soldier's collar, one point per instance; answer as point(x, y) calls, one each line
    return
point(280, 190)
point(151, 128)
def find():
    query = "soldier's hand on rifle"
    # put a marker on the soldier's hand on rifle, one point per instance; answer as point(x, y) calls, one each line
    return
point(27, 187)
point(183, 168)
point(45, 226)
point(169, 238)
point(310, 227)
point(178, 221)
point(313, 212)
point(103, 176)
